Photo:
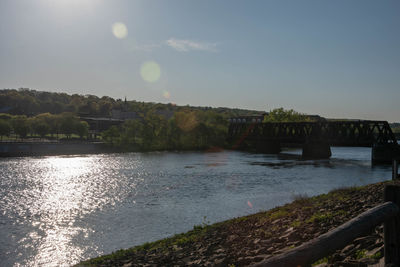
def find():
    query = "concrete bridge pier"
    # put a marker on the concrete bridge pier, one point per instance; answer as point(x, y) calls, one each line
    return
point(268, 147)
point(384, 153)
point(316, 150)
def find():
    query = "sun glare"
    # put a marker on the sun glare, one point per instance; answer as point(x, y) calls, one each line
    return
point(150, 71)
point(65, 5)
point(166, 94)
point(119, 30)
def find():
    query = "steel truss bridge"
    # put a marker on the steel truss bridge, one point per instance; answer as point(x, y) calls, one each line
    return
point(360, 133)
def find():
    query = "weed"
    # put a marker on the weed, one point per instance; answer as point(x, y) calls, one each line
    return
point(360, 254)
point(295, 223)
point(324, 217)
point(323, 260)
point(300, 197)
point(205, 221)
point(241, 219)
point(279, 214)
point(320, 217)
point(341, 213)
point(376, 256)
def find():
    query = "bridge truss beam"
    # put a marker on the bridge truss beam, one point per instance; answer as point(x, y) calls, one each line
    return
point(361, 133)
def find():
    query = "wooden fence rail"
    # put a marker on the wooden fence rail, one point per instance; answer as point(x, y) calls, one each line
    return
point(395, 169)
point(326, 244)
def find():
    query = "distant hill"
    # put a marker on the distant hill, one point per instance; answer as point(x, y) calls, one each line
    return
point(25, 101)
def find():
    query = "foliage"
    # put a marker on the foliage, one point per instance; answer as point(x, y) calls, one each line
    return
point(376, 256)
point(155, 126)
point(20, 125)
point(82, 128)
point(279, 214)
point(282, 115)
point(42, 125)
point(183, 131)
point(361, 253)
point(320, 261)
point(320, 217)
point(42, 129)
point(395, 127)
point(32, 102)
point(111, 135)
point(67, 125)
point(5, 128)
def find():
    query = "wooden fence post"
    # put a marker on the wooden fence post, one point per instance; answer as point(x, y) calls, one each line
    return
point(326, 244)
point(392, 228)
point(395, 169)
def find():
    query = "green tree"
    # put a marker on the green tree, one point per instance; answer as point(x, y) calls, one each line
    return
point(282, 115)
point(20, 125)
point(105, 107)
point(54, 122)
point(111, 135)
point(68, 123)
point(82, 128)
point(173, 134)
point(5, 128)
point(154, 131)
point(202, 133)
point(41, 128)
point(40, 124)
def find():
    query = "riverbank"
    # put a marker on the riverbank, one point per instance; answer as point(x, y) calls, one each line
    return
point(73, 147)
point(51, 148)
point(250, 239)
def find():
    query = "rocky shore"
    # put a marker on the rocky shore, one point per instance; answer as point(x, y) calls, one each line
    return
point(250, 239)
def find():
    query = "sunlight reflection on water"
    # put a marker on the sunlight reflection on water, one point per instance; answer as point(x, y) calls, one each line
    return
point(52, 204)
point(47, 196)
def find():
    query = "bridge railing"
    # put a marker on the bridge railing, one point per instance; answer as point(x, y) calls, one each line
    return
point(326, 244)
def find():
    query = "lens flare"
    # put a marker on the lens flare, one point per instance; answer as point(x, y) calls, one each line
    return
point(150, 71)
point(166, 94)
point(186, 121)
point(119, 30)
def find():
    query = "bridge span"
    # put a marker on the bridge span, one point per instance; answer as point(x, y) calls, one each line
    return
point(316, 138)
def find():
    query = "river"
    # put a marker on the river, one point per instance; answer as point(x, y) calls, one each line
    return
point(56, 211)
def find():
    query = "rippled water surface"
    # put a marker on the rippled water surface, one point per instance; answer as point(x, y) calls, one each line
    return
point(56, 211)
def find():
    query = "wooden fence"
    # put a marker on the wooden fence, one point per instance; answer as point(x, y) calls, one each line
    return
point(326, 244)
point(395, 169)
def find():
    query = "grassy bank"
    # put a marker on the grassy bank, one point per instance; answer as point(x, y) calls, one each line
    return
point(249, 239)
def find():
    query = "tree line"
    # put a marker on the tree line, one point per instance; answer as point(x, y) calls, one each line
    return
point(156, 127)
point(43, 125)
point(184, 130)
point(29, 102)
point(25, 101)
point(290, 115)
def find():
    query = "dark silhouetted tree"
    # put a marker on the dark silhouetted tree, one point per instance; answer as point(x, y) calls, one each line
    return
point(5, 128)
point(20, 125)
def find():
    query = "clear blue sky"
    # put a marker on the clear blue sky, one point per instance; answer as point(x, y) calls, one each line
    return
point(334, 58)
